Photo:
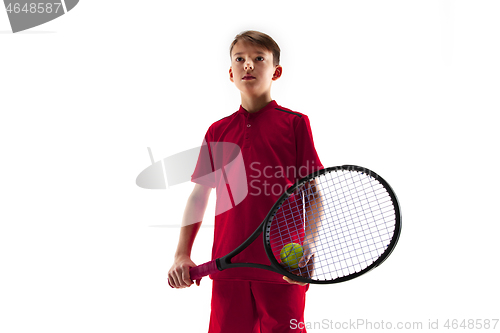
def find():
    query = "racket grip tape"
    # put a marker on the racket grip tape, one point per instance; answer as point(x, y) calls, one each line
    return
point(198, 272)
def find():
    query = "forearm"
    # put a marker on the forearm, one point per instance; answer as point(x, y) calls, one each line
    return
point(186, 239)
point(314, 214)
point(191, 222)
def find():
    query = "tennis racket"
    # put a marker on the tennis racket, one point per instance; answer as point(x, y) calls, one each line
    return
point(331, 226)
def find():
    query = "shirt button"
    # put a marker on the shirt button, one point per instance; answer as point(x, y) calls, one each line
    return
point(249, 125)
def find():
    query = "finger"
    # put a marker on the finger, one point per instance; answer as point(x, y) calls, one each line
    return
point(291, 281)
point(307, 270)
point(304, 260)
point(179, 282)
point(305, 257)
point(198, 282)
point(169, 283)
point(287, 279)
point(185, 277)
point(172, 281)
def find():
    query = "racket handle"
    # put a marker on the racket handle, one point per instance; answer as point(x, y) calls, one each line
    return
point(203, 270)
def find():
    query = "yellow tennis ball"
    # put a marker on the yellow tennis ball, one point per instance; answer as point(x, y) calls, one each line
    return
point(290, 254)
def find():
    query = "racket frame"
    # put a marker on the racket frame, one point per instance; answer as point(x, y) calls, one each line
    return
point(392, 244)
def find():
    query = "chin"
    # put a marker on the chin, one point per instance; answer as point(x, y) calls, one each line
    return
point(251, 93)
point(251, 89)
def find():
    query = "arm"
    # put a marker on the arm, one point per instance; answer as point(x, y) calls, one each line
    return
point(313, 207)
point(313, 203)
point(314, 214)
point(178, 275)
point(306, 155)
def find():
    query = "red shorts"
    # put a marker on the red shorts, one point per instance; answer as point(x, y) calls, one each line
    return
point(256, 307)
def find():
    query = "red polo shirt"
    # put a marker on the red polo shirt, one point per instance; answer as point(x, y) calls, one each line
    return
point(251, 159)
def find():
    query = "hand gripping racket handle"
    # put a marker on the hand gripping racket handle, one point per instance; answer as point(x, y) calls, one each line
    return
point(198, 272)
point(203, 270)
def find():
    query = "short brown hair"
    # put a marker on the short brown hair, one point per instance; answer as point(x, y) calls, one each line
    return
point(261, 39)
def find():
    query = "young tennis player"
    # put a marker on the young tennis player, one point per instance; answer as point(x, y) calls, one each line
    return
point(276, 149)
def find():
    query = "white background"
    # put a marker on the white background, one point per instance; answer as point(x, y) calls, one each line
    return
point(409, 89)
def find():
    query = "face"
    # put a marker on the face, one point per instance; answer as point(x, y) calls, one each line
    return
point(252, 69)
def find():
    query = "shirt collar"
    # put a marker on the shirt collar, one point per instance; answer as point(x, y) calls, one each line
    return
point(271, 105)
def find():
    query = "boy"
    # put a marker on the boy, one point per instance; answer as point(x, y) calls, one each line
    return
point(277, 149)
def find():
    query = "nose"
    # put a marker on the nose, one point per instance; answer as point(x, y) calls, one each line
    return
point(248, 65)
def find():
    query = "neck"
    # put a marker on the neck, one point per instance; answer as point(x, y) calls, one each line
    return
point(254, 104)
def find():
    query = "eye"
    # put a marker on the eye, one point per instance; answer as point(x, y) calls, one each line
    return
point(262, 58)
point(238, 58)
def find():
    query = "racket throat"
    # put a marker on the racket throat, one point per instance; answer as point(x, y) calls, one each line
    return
point(219, 264)
point(225, 263)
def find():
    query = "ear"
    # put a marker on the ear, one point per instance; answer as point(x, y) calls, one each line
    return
point(231, 74)
point(277, 72)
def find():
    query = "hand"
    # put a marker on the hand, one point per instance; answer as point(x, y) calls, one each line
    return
point(307, 260)
point(305, 269)
point(178, 275)
point(306, 266)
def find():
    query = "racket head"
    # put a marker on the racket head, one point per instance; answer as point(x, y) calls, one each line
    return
point(354, 225)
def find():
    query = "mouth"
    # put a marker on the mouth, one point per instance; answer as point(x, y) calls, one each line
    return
point(248, 77)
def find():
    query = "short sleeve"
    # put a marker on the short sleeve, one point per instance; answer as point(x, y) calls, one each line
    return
point(307, 160)
point(204, 171)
